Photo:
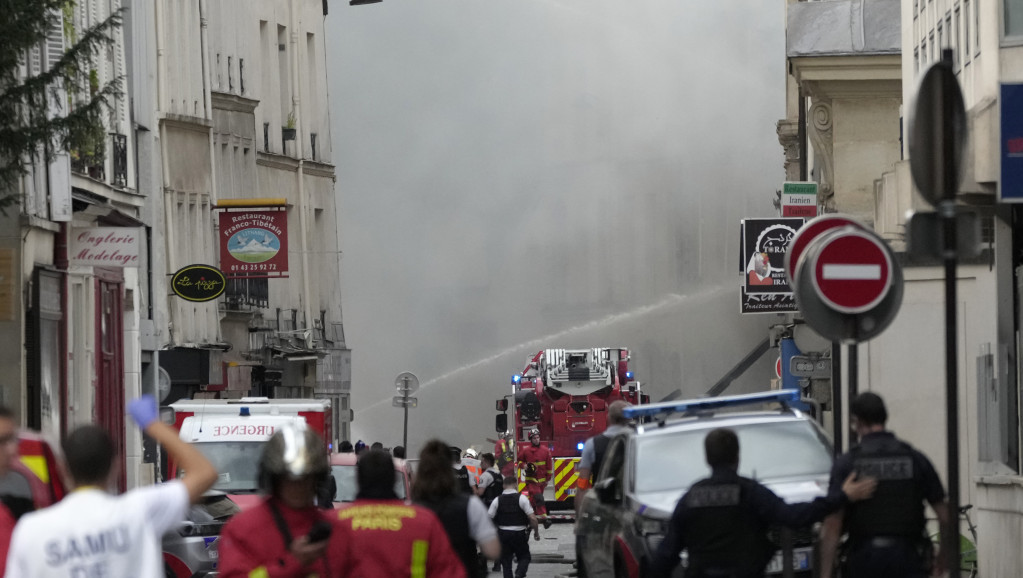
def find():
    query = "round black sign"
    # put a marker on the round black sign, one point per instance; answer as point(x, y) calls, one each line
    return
point(198, 283)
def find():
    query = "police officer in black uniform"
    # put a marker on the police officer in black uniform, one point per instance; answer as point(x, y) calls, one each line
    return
point(886, 532)
point(723, 520)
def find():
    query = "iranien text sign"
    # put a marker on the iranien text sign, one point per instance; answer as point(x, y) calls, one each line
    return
point(799, 199)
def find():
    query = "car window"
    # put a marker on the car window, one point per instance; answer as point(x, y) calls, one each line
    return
point(347, 486)
point(766, 451)
point(237, 464)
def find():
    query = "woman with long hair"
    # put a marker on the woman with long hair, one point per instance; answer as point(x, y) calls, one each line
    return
point(463, 516)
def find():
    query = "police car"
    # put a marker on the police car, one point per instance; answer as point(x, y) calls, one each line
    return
point(647, 469)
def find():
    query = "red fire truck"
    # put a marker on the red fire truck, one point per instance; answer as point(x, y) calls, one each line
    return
point(565, 393)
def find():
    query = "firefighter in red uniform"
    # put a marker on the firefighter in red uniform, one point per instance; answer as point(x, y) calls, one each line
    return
point(380, 535)
point(536, 462)
point(286, 535)
point(504, 454)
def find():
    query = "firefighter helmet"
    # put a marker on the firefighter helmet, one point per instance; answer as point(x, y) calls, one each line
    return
point(471, 453)
point(294, 451)
point(534, 431)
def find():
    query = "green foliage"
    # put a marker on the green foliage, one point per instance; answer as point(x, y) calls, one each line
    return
point(28, 130)
point(291, 120)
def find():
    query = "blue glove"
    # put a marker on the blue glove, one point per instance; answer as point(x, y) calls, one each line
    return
point(144, 410)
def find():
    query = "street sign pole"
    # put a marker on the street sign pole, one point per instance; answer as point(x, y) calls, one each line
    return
point(836, 395)
point(406, 383)
point(404, 429)
point(854, 370)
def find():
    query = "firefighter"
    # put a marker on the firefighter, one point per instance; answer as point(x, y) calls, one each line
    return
point(471, 461)
point(536, 462)
point(504, 452)
point(286, 534)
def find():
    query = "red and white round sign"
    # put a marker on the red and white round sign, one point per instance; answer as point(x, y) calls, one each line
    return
point(852, 271)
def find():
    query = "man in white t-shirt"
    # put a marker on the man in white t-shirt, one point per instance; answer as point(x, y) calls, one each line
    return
point(92, 533)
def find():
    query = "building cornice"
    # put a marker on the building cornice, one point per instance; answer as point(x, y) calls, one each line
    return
point(228, 101)
point(286, 163)
point(117, 196)
point(193, 123)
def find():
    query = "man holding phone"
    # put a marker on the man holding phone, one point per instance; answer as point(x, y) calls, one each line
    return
point(286, 535)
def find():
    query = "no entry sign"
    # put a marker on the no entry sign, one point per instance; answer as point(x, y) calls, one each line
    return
point(852, 271)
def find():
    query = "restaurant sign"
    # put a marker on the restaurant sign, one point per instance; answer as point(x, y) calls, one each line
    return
point(254, 243)
point(198, 283)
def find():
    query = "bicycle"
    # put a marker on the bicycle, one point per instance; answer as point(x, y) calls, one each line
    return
point(967, 547)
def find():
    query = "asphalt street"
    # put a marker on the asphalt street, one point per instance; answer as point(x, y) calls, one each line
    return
point(553, 555)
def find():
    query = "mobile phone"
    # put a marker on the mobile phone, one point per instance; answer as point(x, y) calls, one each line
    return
point(320, 531)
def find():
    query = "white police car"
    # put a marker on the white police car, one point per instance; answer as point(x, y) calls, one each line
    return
point(646, 470)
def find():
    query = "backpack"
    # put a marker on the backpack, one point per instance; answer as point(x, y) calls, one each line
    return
point(491, 492)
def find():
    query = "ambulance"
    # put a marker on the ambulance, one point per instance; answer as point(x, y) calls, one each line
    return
point(231, 434)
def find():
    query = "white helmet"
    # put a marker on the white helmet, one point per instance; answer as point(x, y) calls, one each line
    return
point(471, 453)
point(533, 431)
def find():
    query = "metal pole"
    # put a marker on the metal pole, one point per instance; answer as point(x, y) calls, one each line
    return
point(854, 370)
point(947, 211)
point(836, 395)
point(404, 431)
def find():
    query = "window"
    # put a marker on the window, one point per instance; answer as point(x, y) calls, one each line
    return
point(230, 76)
point(957, 43)
point(1013, 18)
point(966, 29)
point(220, 81)
point(241, 76)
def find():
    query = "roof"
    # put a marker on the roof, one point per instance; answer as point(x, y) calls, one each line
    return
point(844, 27)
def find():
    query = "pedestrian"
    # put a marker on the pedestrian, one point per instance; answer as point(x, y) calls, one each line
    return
point(377, 446)
point(93, 533)
point(360, 448)
point(399, 452)
point(594, 448)
point(380, 535)
point(723, 520)
point(462, 478)
point(513, 515)
point(886, 532)
point(293, 534)
point(504, 454)
point(8, 453)
point(587, 471)
point(345, 447)
point(536, 461)
point(463, 516)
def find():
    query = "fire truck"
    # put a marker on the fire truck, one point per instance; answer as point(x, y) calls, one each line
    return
point(565, 393)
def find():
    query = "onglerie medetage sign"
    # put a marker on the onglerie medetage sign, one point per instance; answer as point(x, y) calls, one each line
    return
point(105, 246)
point(198, 283)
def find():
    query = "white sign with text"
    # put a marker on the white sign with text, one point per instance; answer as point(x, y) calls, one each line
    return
point(106, 246)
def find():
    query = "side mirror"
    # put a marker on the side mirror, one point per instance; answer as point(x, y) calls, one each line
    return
point(607, 490)
point(502, 422)
point(502, 404)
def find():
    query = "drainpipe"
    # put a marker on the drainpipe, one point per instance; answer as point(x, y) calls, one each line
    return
point(168, 206)
point(299, 140)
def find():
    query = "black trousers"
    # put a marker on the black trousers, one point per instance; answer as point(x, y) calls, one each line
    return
point(514, 543)
point(897, 559)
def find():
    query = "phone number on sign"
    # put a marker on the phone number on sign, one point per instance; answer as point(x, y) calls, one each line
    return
point(254, 267)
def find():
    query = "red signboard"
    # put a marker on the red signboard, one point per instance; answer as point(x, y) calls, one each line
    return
point(852, 271)
point(808, 233)
point(254, 243)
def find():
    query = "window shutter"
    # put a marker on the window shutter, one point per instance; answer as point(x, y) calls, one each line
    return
point(60, 164)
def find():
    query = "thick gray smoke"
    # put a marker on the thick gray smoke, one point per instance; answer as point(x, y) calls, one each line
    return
point(522, 174)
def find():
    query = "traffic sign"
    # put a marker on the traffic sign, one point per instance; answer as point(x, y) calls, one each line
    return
point(777, 368)
point(807, 233)
point(803, 366)
point(852, 270)
point(799, 199)
point(403, 401)
point(937, 134)
point(406, 383)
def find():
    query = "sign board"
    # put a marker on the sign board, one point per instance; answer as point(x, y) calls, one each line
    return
point(937, 134)
point(198, 283)
point(254, 243)
point(808, 233)
point(406, 383)
point(402, 401)
point(851, 271)
point(1010, 186)
point(765, 286)
point(803, 366)
point(799, 199)
point(105, 246)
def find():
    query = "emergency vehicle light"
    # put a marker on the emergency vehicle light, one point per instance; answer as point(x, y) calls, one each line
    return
point(579, 446)
point(516, 378)
point(628, 375)
point(656, 409)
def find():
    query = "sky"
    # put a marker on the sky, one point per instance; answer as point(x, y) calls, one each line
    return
point(515, 175)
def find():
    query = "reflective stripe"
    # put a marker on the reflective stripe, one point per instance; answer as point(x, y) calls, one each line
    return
point(420, 548)
point(565, 478)
point(259, 573)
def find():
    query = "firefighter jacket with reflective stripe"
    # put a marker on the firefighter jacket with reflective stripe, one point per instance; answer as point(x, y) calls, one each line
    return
point(539, 457)
point(390, 538)
point(504, 453)
point(252, 545)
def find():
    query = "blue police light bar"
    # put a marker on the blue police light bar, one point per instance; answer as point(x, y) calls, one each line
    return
point(705, 403)
point(516, 378)
point(579, 446)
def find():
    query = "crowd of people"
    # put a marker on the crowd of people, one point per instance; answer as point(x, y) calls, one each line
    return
point(458, 523)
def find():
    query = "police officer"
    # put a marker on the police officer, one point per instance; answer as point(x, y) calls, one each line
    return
point(886, 532)
point(594, 448)
point(723, 519)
